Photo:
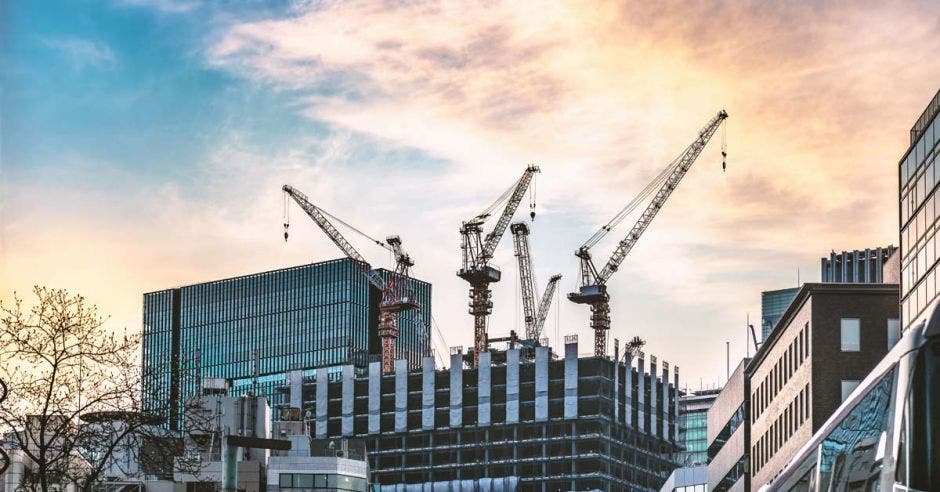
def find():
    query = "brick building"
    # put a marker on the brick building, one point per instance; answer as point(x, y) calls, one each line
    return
point(827, 341)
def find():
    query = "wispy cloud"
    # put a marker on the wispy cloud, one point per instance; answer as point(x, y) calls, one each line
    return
point(164, 6)
point(424, 112)
point(604, 93)
point(83, 53)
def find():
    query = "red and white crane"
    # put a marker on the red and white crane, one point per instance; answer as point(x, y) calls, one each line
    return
point(397, 295)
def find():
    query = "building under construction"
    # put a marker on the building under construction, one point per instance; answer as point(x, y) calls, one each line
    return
point(554, 423)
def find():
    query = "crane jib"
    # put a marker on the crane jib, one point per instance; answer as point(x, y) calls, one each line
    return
point(685, 162)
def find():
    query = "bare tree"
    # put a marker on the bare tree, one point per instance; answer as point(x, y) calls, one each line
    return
point(61, 364)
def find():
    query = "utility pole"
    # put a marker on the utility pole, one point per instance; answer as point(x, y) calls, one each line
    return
point(727, 361)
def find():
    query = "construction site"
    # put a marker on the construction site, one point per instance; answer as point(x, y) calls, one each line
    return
point(511, 407)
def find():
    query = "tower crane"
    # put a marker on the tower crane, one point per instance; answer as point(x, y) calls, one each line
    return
point(593, 289)
point(397, 295)
point(534, 316)
point(476, 252)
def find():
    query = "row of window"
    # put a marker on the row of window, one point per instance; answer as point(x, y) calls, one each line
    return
point(922, 294)
point(787, 423)
point(280, 290)
point(919, 192)
point(918, 236)
point(330, 481)
point(777, 378)
point(910, 166)
point(919, 211)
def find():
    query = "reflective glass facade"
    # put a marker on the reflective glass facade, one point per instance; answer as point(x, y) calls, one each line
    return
point(693, 426)
point(920, 208)
point(322, 314)
point(773, 303)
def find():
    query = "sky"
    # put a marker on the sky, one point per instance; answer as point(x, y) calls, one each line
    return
point(143, 145)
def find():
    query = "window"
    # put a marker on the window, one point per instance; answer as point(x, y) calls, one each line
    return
point(851, 341)
point(894, 332)
point(848, 385)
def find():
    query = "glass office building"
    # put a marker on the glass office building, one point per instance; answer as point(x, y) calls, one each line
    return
point(251, 329)
point(693, 426)
point(773, 303)
point(919, 210)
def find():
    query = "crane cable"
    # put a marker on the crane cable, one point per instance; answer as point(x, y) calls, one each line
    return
point(648, 190)
point(333, 217)
point(502, 198)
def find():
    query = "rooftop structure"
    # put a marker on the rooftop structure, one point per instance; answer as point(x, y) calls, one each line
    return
point(859, 266)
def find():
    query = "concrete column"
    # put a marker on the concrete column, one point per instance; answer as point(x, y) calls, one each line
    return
point(667, 427)
point(484, 389)
point(427, 393)
point(879, 265)
point(845, 267)
point(375, 397)
point(868, 264)
point(628, 390)
point(322, 386)
point(616, 380)
point(347, 402)
point(571, 380)
point(654, 399)
point(512, 386)
point(675, 401)
point(541, 383)
point(833, 271)
point(824, 270)
point(856, 267)
point(456, 390)
point(640, 393)
point(401, 395)
point(296, 381)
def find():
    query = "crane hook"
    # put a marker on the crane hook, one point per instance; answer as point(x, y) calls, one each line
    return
point(286, 225)
point(724, 148)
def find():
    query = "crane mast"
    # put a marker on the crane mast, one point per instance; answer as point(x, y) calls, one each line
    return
point(476, 251)
point(593, 290)
point(397, 295)
point(534, 315)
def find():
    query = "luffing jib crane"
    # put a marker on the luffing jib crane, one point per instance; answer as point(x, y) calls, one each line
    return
point(593, 290)
point(397, 295)
point(477, 251)
point(534, 315)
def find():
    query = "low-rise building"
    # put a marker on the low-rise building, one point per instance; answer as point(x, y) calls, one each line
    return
point(728, 435)
point(693, 420)
point(827, 341)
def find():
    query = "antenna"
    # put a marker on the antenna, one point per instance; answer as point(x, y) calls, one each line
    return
point(747, 346)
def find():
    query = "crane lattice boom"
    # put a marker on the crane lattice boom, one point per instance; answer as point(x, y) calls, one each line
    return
point(477, 251)
point(593, 289)
point(534, 315)
point(396, 293)
point(681, 168)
